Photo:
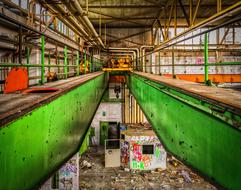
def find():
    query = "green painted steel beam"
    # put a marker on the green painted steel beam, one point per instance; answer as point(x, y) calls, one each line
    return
point(42, 59)
point(202, 134)
point(206, 58)
point(35, 145)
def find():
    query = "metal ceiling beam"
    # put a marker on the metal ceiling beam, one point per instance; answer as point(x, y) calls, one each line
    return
point(154, 3)
point(130, 41)
point(129, 36)
point(116, 18)
point(112, 6)
point(184, 12)
point(130, 18)
point(234, 10)
point(122, 26)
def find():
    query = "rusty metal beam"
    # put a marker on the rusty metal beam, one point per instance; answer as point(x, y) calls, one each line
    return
point(184, 12)
point(129, 36)
point(234, 10)
point(116, 18)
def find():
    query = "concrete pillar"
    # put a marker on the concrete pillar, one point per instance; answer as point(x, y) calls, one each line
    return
point(130, 108)
point(141, 120)
point(135, 110)
point(138, 114)
point(127, 106)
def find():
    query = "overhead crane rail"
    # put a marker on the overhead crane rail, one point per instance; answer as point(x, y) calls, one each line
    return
point(200, 125)
point(41, 131)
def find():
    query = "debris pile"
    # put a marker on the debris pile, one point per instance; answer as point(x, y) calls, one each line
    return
point(93, 175)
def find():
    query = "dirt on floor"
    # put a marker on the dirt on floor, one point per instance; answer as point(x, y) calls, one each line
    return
point(94, 175)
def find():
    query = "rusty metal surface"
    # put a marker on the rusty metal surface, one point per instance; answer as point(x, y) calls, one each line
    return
point(17, 104)
point(228, 97)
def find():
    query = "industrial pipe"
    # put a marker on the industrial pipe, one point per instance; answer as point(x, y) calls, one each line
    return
point(129, 49)
point(143, 56)
point(87, 21)
point(125, 51)
point(81, 30)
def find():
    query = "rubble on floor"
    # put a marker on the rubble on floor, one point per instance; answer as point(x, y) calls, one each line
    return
point(94, 176)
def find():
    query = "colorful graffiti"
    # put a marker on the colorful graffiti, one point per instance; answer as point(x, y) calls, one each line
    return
point(68, 174)
point(139, 160)
point(136, 156)
point(146, 159)
point(200, 60)
point(141, 139)
point(136, 149)
point(125, 153)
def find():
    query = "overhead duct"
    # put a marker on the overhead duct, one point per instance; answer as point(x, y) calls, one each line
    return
point(136, 50)
point(87, 21)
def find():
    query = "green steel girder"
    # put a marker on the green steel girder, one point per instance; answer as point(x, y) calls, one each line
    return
point(199, 132)
point(35, 145)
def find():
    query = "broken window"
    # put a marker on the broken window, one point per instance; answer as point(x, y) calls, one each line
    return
point(147, 149)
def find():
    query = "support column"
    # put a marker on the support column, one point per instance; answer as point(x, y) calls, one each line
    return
point(159, 62)
point(173, 66)
point(20, 45)
point(206, 58)
point(90, 64)
point(49, 62)
point(130, 108)
point(42, 59)
point(134, 114)
point(85, 61)
point(138, 114)
point(77, 63)
point(150, 63)
point(65, 62)
point(127, 105)
point(28, 59)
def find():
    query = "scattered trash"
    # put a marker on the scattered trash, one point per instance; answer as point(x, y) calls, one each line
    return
point(174, 162)
point(160, 170)
point(86, 164)
point(165, 186)
point(94, 175)
point(186, 176)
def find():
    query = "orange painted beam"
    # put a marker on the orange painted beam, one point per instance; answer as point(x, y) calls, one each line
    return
point(216, 78)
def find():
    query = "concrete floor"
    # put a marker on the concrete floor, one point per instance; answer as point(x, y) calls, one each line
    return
point(94, 176)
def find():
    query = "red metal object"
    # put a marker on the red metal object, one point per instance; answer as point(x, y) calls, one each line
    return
point(40, 90)
point(17, 79)
point(117, 79)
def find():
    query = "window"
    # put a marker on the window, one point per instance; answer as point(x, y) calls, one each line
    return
point(16, 2)
point(147, 149)
point(24, 4)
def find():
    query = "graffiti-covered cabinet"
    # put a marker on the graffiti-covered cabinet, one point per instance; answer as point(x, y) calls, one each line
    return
point(142, 150)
